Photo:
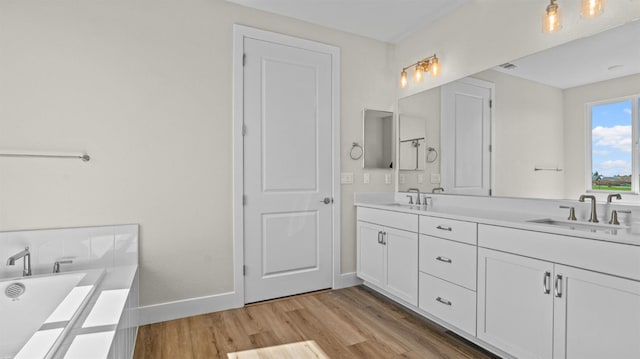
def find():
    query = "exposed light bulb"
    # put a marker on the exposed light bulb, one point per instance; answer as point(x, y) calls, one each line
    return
point(551, 20)
point(403, 79)
point(418, 73)
point(591, 8)
point(434, 67)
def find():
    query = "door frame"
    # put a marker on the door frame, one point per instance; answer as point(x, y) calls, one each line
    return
point(240, 32)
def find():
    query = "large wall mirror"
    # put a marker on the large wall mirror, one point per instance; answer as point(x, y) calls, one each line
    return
point(561, 121)
point(378, 139)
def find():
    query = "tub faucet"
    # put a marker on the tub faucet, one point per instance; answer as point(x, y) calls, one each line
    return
point(26, 261)
point(594, 214)
point(437, 190)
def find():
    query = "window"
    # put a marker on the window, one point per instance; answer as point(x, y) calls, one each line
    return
point(614, 153)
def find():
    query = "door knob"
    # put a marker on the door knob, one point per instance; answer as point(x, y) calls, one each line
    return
point(327, 200)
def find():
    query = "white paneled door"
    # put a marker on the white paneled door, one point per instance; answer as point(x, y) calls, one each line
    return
point(466, 137)
point(287, 170)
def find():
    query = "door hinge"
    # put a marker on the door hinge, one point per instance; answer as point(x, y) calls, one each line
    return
point(244, 130)
point(490, 192)
point(244, 200)
point(244, 270)
point(490, 103)
point(244, 59)
point(490, 148)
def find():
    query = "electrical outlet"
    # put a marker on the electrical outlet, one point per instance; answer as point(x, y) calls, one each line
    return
point(346, 178)
point(366, 178)
point(401, 179)
point(435, 178)
point(420, 178)
point(387, 178)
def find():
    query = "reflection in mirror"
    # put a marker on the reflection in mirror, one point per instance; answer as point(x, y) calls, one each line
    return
point(378, 139)
point(412, 142)
point(541, 120)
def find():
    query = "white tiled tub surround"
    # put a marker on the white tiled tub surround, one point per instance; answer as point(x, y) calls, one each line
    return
point(106, 326)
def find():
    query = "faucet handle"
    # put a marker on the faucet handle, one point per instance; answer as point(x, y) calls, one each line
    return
point(410, 199)
point(56, 265)
point(572, 213)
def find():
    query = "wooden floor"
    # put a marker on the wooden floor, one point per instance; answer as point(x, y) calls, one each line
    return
point(347, 323)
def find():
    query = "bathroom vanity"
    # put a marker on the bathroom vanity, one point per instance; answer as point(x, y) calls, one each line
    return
point(511, 275)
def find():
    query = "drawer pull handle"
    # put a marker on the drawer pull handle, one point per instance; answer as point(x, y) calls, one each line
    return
point(558, 286)
point(444, 259)
point(443, 301)
point(444, 228)
point(546, 283)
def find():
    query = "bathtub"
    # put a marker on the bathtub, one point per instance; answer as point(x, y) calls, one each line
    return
point(36, 312)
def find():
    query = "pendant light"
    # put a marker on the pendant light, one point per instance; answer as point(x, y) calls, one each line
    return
point(591, 8)
point(551, 20)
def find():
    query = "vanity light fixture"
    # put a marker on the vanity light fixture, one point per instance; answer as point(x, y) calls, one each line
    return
point(591, 8)
point(430, 64)
point(551, 20)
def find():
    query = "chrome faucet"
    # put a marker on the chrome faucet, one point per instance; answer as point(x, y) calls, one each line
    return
point(416, 190)
point(26, 261)
point(594, 214)
point(439, 189)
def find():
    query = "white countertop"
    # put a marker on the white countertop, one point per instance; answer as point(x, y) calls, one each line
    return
point(513, 213)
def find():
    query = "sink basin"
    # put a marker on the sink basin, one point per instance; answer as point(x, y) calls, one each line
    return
point(579, 226)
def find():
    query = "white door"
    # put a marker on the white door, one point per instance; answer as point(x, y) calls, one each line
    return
point(515, 304)
point(466, 137)
point(402, 264)
point(287, 170)
point(371, 254)
point(596, 316)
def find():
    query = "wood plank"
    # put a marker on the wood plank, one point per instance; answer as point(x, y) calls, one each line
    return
point(347, 323)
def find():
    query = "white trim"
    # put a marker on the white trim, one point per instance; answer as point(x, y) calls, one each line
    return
point(345, 280)
point(186, 308)
point(240, 32)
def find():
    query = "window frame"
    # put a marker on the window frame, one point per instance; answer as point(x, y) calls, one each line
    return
point(635, 149)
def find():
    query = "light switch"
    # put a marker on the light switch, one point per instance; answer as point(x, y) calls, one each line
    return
point(387, 178)
point(366, 178)
point(435, 178)
point(346, 178)
point(420, 178)
point(401, 180)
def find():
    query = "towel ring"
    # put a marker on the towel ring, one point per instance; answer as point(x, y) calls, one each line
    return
point(429, 151)
point(356, 151)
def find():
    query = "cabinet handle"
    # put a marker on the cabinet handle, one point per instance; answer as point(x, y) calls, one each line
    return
point(443, 259)
point(444, 228)
point(546, 283)
point(558, 286)
point(379, 237)
point(384, 241)
point(443, 301)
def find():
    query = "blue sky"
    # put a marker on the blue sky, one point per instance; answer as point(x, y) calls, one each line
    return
point(611, 138)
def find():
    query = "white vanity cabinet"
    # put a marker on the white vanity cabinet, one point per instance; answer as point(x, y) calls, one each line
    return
point(448, 271)
point(537, 308)
point(387, 252)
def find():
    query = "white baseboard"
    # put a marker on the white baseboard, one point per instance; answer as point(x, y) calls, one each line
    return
point(187, 308)
point(345, 280)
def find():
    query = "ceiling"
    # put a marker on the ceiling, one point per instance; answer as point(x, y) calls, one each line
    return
point(384, 20)
point(610, 54)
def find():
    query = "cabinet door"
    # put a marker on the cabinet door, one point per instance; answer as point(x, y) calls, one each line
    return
point(596, 315)
point(371, 254)
point(515, 304)
point(402, 264)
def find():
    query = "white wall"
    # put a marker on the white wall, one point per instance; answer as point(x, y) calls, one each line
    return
point(144, 87)
point(528, 133)
point(575, 126)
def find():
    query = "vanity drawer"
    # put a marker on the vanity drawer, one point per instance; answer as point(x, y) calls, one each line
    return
point(404, 221)
point(449, 302)
point(452, 261)
point(460, 231)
